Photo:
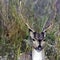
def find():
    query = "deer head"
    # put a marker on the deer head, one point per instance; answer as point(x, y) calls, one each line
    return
point(38, 41)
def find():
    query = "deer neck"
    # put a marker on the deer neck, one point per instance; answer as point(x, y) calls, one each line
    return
point(38, 55)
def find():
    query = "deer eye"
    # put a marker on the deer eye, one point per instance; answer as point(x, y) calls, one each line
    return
point(33, 39)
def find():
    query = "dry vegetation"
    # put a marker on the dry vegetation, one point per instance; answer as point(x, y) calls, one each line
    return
point(13, 30)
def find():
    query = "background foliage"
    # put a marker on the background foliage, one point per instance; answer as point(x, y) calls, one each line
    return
point(13, 31)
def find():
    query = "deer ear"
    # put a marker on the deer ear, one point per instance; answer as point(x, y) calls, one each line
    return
point(47, 26)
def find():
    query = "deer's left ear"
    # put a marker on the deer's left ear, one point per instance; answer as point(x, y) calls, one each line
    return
point(31, 33)
point(48, 26)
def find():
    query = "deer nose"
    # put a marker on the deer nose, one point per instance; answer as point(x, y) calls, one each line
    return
point(39, 48)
